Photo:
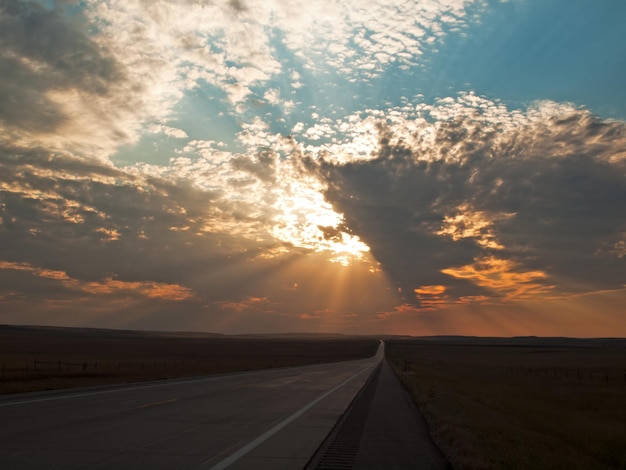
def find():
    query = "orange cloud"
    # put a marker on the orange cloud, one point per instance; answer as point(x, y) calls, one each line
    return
point(243, 305)
point(109, 234)
point(430, 290)
point(431, 297)
point(502, 276)
point(152, 290)
point(398, 309)
point(468, 299)
point(39, 272)
point(495, 274)
point(109, 286)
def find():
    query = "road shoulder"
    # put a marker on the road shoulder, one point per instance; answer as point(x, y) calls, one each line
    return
point(382, 429)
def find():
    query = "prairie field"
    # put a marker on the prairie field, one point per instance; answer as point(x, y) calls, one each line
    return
point(520, 403)
point(39, 358)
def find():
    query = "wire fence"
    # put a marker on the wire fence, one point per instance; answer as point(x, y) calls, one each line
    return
point(36, 368)
point(591, 375)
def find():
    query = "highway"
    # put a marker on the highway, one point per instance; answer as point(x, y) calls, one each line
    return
point(274, 419)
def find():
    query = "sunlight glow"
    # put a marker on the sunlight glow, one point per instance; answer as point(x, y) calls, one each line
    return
point(306, 220)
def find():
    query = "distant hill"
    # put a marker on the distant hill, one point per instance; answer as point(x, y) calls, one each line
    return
point(530, 341)
point(521, 341)
point(100, 332)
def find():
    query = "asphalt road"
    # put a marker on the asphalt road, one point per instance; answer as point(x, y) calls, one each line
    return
point(274, 419)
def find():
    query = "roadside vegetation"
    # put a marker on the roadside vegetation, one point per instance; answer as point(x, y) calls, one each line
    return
point(34, 359)
point(540, 404)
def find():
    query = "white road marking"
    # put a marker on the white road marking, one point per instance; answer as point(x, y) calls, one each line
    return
point(263, 437)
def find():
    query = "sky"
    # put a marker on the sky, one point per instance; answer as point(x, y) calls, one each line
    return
point(418, 167)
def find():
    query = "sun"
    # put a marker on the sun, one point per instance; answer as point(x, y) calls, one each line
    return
point(305, 219)
point(347, 248)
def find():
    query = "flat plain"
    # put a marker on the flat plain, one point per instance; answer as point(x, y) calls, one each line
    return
point(520, 403)
point(46, 358)
point(490, 403)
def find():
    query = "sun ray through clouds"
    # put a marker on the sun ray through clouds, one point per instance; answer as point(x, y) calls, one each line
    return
point(285, 165)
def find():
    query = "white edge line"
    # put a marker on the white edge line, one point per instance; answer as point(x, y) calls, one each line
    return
point(251, 445)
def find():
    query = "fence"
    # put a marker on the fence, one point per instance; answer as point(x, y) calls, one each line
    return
point(597, 375)
point(15, 370)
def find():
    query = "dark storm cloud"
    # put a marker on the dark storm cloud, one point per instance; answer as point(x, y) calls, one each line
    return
point(548, 196)
point(390, 203)
point(43, 49)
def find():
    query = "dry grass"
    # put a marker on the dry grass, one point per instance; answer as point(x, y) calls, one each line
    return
point(49, 358)
point(530, 406)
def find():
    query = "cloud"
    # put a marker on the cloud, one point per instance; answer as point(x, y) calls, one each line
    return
point(358, 41)
point(60, 85)
point(461, 201)
point(250, 303)
point(488, 202)
point(94, 78)
point(41, 39)
point(93, 221)
point(152, 290)
point(168, 131)
point(76, 231)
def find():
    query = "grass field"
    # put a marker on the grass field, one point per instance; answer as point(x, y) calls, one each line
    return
point(34, 358)
point(520, 404)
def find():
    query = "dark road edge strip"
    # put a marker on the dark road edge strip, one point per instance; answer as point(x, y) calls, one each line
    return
point(340, 447)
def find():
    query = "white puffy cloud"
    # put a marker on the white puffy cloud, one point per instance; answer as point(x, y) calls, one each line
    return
point(93, 79)
point(168, 131)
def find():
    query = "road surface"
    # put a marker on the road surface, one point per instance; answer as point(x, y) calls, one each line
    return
point(274, 419)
